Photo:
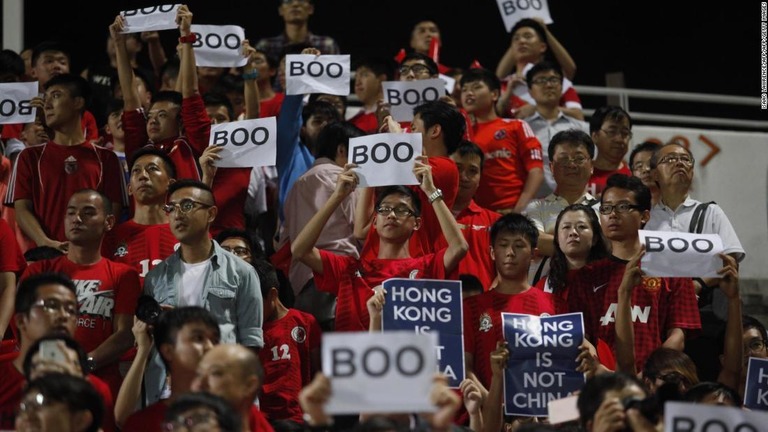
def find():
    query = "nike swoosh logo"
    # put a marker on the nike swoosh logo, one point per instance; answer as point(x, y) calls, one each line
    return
point(595, 289)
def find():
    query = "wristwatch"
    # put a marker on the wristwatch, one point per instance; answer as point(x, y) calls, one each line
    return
point(435, 195)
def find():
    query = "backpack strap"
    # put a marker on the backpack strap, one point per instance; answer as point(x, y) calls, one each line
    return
point(697, 221)
point(540, 270)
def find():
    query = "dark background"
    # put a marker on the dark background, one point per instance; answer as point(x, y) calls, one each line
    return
point(680, 46)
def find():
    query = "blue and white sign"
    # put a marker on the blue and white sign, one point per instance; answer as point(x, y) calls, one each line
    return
point(542, 361)
point(756, 392)
point(424, 306)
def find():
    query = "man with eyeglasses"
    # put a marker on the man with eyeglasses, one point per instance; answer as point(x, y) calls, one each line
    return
point(107, 292)
point(545, 82)
point(59, 402)
point(640, 164)
point(662, 309)
point(416, 66)
point(611, 130)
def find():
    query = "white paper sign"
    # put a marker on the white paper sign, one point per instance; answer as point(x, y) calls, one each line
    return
point(152, 18)
point(219, 45)
point(681, 254)
point(690, 417)
point(247, 143)
point(385, 372)
point(513, 11)
point(449, 82)
point(404, 96)
point(385, 159)
point(306, 73)
point(14, 102)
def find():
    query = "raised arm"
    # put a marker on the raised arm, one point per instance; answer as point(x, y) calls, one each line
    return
point(493, 414)
point(250, 83)
point(131, 99)
point(187, 68)
point(733, 351)
point(155, 51)
point(625, 333)
point(130, 389)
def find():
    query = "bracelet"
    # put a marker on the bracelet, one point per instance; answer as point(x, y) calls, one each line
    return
point(435, 195)
point(190, 38)
point(249, 76)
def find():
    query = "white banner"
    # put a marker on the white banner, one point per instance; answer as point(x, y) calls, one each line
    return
point(681, 254)
point(449, 82)
point(513, 11)
point(387, 372)
point(690, 417)
point(219, 45)
point(152, 18)
point(14, 102)
point(404, 96)
point(247, 143)
point(306, 73)
point(385, 159)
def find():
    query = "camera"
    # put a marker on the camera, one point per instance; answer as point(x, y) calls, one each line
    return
point(648, 407)
point(148, 309)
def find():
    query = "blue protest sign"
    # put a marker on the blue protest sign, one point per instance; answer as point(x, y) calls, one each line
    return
point(756, 392)
point(427, 305)
point(542, 361)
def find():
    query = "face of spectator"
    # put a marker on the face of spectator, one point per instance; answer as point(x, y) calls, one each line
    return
point(546, 88)
point(237, 100)
point(86, 222)
point(60, 106)
point(612, 140)
point(312, 128)
point(641, 168)
point(469, 174)
point(163, 120)
point(192, 212)
point(296, 11)
point(395, 220)
point(674, 167)
point(754, 345)
point(624, 220)
point(575, 235)
point(49, 64)
point(422, 35)
point(527, 45)
point(414, 69)
point(259, 60)
point(55, 311)
point(477, 97)
point(114, 125)
point(149, 180)
point(511, 254)
point(220, 373)
point(218, 114)
point(571, 166)
point(40, 414)
point(238, 246)
point(195, 419)
point(193, 340)
point(33, 134)
point(629, 391)
point(336, 101)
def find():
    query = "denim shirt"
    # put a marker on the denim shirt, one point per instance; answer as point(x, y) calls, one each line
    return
point(231, 292)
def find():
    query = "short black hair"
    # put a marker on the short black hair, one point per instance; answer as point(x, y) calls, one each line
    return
point(170, 167)
point(334, 135)
point(448, 117)
point(49, 46)
point(632, 184)
point(645, 146)
point(431, 65)
point(609, 112)
point(573, 137)
point(535, 25)
point(467, 148)
point(698, 392)
point(483, 75)
point(216, 99)
point(515, 223)
point(171, 321)
point(253, 240)
point(654, 161)
point(26, 295)
point(470, 283)
point(226, 416)
point(70, 342)
point(75, 392)
point(320, 108)
point(377, 65)
point(400, 190)
point(106, 203)
point(748, 322)
point(11, 64)
point(75, 84)
point(167, 96)
point(190, 183)
point(593, 392)
point(267, 276)
point(542, 66)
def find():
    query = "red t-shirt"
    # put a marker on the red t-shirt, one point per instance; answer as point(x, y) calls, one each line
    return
point(48, 174)
point(230, 190)
point(271, 107)
point(599, 178)
point(366, 121)
point(11, 258)
point(257, 422)
point(139, 246)
point(104, 289)
point(286, 357)
point(352, 281)
point(511, 151)
point(475, 223)
point(149, 419)
point(658, 305)
point(483, 326)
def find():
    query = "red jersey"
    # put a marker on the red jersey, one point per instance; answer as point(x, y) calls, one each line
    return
point(366, 121)
point(104, 289)
point(149, 419)
point(271, 107)
point(483, 326)
point(257, 422)
point(87, 123)
point(230, 190)
point(599, 178)
point(658, 305)
point(475, 223)
point(11, 258)
point(48, 174)
point(286, 356)
point(511, 151)
point(139, 246)
point(352, 281)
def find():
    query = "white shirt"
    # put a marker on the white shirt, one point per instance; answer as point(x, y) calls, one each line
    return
point(191, 290)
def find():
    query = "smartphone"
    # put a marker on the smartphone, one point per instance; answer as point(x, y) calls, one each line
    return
point(51, 351)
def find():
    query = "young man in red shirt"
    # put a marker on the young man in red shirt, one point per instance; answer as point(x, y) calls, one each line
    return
point(369, 75)
point(513, 168)
point(398, 211)
point(611, 130)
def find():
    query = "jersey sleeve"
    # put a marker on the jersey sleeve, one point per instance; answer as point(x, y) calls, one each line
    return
point(529, 147)
point(334, 267)
point(22, 178)
point(135, 127)
point(11, 260)
point(113, 182)
point(128, 290)
point(197, 124)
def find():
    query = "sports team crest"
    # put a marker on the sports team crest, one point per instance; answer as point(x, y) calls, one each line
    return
point(122, 250)
point(299, 334)
point(500, 134)
point(652, 284)
point(70, 165)
point(485, 322)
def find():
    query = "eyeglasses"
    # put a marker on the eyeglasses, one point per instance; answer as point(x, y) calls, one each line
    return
point(52, 305)
point(755, 345)
point(400, 212)
point(547, 80)
point(613, 132)
point(607, 209)
point(417, 69)
point(185, 206)
point(576, 160)
point(675, 158)
point(189, 422)
point(239, 251)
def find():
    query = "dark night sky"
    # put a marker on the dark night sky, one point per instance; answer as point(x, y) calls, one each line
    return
point(658, 45)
